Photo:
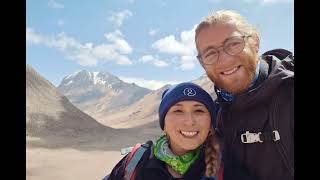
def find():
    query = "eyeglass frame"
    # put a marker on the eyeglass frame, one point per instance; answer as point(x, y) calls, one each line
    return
point(223, 44)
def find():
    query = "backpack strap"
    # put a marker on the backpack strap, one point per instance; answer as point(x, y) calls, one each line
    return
point(133, 160)
point(221, 171)
point(282, 147)
point(279, 53)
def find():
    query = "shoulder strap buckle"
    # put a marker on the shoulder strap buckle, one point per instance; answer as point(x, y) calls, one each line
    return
point(260, 137)
point(250, 137)
point(127, 150)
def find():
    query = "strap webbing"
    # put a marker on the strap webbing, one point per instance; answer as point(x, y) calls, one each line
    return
point(133, 162)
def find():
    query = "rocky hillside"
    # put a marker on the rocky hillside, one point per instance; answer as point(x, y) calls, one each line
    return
point(146, 109)
point(50, 114)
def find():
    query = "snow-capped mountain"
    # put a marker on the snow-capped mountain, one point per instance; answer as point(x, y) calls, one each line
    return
point(98, 93)
point(85, 78)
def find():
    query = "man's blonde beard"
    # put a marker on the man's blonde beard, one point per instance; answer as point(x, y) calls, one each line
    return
point(251, 70)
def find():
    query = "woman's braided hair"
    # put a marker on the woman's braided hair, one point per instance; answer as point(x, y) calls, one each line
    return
point(212, 154)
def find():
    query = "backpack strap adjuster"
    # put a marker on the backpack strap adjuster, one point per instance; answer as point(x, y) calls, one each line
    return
point(276, 135)
point(259, 137)
point(250, 137)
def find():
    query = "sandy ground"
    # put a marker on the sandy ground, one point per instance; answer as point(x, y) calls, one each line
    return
point(78, 161)
point(69, 164)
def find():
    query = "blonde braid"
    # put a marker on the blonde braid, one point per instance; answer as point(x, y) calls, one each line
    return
point(212, 154)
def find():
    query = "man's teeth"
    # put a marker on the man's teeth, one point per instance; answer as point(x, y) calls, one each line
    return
point(189, 133)
point(231, 71)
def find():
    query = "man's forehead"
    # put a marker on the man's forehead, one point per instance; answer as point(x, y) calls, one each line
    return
point(217, 34)
point(228, 35)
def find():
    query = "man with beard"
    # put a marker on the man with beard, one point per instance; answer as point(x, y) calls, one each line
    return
point(256, 98)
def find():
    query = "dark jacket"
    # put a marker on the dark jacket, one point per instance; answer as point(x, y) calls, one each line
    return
point(267, 106)
point(154, 169)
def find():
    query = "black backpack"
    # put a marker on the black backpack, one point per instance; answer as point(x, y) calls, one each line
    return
point(283, 55)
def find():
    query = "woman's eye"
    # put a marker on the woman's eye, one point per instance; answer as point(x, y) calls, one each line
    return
point(199, 111)
point(177, 111)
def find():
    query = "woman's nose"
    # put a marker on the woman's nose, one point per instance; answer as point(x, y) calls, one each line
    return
point(189, 119)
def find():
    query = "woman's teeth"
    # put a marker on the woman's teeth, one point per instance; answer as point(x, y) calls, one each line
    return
point(189, 133)
point(231, 71)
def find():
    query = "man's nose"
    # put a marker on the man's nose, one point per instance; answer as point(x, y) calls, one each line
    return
point(223, 56)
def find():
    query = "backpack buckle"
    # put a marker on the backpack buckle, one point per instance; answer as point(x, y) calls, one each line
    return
point(125, 151)
point(250, 137)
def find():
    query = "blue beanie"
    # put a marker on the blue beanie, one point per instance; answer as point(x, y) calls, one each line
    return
point(182, 92)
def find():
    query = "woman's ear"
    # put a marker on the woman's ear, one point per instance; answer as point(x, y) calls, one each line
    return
point(165, 131)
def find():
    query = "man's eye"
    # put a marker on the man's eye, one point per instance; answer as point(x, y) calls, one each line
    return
point(211, 53)
point(232, 44)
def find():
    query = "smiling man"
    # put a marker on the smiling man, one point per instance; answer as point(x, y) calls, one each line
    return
point(255, 95)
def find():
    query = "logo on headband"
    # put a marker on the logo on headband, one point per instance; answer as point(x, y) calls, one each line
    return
point(189, 92)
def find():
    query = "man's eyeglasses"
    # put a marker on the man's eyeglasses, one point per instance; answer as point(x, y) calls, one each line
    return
point(232, 46)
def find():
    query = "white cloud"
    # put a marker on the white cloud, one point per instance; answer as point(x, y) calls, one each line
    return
point(84, 58)
point(152, 60)
point(55, 5)
point(62, 42)
point(150, 84)
point(153, 32)
point(185, 47)
point(119, 43)
point(119, 17)
point(85, 54)
point(123, 60)
point(131, 1)
point(60, 22)
point(170, 45)
point(32, 37)
point(188, 62)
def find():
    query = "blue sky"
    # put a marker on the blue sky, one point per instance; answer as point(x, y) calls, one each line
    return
point(150, 42)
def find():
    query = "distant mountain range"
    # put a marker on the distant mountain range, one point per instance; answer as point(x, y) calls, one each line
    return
point(116, 103)
point(146, 109)
point(88, 104)
point(100, 93)
point(52, 121)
